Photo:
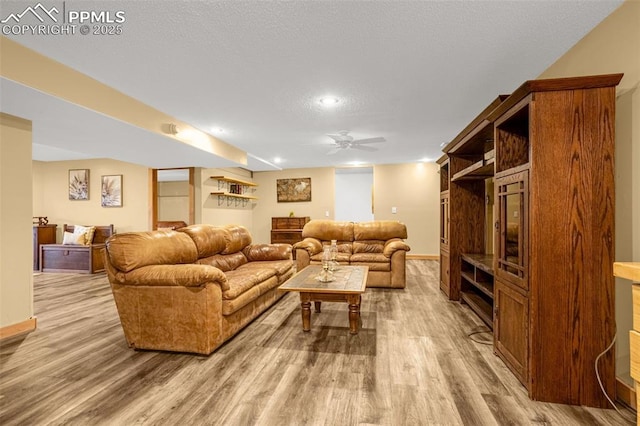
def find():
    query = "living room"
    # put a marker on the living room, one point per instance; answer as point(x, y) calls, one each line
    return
point(409, 189)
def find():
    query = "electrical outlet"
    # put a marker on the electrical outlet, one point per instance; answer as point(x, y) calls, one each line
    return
point(394, 210)
point(326, 213)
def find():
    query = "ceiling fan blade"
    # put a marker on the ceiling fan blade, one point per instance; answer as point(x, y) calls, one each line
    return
point(370, 140)
point(363, 148)
point(341, 138)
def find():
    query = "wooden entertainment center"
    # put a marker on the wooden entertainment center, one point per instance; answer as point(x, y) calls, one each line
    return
point(527, 232)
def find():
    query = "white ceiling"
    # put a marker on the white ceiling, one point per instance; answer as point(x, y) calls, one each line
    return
point(413, 72)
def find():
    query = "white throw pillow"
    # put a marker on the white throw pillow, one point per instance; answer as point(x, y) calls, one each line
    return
point(73, 238)
point(86, 231)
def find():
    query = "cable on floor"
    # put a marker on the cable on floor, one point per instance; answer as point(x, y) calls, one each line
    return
point(481, 330)
point(598, 373)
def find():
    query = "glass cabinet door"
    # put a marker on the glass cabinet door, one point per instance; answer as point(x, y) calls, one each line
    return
point(512, 193)
point(444, 218)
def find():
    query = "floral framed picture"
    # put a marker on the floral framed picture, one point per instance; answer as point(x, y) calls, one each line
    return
point(111, 191)
point(292, 190)
point(78, 184)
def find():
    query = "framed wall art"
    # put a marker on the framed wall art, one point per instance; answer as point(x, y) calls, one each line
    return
point(78, 184)
point(111, 191)
point(293, 190)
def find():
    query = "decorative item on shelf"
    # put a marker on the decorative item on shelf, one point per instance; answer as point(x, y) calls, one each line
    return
point(291, 213)
point(40, 220)
point(111, 191)
point(326, 275)
point(333, 255)
point(293, 190)
point(78, 184)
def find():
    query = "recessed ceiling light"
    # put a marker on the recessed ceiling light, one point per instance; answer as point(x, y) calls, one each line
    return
point(329, 100)
point(277, 160)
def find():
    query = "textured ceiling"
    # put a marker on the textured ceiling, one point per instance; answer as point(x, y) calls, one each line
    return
point(414, 72)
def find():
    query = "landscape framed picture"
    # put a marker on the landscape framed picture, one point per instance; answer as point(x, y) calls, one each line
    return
point(292, 190)
point(111, 191)
point(78, 184)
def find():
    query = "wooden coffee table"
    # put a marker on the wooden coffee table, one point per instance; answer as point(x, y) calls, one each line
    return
point(348, 284)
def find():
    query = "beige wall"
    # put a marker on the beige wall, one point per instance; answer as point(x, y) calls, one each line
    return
point(613, 47)
point(219, 212)
point(51, 197)
point(322, 198)
point(412, 188)
point(16, 231)
point(173, 200)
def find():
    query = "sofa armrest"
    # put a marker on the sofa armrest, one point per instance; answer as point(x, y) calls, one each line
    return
point(262, 252)
point(186, 275)
point(393, 246)
point(311, 245)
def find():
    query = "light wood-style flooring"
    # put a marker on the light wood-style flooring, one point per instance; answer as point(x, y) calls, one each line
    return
point(412, 363)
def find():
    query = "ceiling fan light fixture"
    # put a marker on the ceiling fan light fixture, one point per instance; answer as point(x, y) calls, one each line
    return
point(328, 100)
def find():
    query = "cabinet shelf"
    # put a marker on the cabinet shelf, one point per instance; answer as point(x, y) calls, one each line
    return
point(480, 306)
point(476, 275)
point(479, 170)
point(485, 287)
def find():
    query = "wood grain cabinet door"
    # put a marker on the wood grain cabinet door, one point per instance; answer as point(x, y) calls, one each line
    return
point(511, 329)
point(444, 273)
point(512, 237)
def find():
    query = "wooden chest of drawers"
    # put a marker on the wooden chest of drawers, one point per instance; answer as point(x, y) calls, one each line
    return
point(287, 230)
point(42, 234)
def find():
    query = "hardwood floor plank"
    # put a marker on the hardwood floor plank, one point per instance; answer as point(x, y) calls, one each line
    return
point(412, 362)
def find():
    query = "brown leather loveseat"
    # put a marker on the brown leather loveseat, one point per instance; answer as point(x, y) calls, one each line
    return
point(377, 244)
point(191, 290)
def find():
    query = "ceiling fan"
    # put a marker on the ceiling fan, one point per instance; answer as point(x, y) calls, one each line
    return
point(344, 141)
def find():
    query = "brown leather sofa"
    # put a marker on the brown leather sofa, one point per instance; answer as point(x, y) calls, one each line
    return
point(377, 244)
point(191, 290)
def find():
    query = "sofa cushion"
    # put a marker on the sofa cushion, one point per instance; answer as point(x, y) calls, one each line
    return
point(369, 258)
point(209, 239)
point(132, 250)
point(341, 258)
point(368, 246)
point(238, 237)
point(284, 268)
point(263, 252)
point(379, 230)
point(243, 279)
point(229, 306)
point(327, 230)
point(225, 262)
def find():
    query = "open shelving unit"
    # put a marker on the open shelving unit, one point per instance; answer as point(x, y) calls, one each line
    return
point(234, 191)
point(476, 288)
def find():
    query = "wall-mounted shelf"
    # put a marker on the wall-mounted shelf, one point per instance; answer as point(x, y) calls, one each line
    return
point(233, 198)
point(233, 180)
point(234, 191)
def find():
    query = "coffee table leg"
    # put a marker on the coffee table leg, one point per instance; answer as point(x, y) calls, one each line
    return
point(317, 306)
point(305, 303)
point(354, 313)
